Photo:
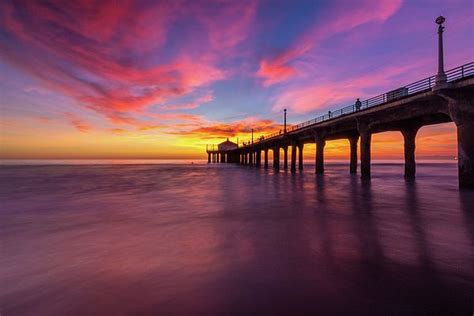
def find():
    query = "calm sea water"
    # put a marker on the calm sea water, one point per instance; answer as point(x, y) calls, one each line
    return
point(167, 239)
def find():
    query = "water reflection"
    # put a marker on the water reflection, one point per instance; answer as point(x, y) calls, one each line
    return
point(225, 239)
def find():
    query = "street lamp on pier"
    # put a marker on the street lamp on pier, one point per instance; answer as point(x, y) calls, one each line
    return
point(284, 121)
point(440, 76)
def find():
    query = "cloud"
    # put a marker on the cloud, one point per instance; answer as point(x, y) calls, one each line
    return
point(112, 58)
point(273, 72)
point(78, 123)
point(229, 25)
point(117, 130)
point(232, 129)
point(342, 17)
point(321, 95)
point(208, 97)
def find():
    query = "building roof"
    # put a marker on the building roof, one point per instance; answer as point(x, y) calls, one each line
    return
point(228, 142)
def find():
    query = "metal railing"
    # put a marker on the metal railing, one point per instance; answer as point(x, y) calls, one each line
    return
point(211, 147)
point(423, 85)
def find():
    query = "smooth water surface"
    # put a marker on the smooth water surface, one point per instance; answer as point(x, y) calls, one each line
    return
point(226, 239)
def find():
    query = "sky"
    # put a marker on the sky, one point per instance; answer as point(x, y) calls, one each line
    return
point(161, 79)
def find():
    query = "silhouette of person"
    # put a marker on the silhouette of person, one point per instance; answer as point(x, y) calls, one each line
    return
point(358, 104)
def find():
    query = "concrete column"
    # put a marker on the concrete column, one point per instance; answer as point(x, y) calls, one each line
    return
point(320, 143)
point(276, 158)
point(265, 158)
point(300, 158)
point(223, 158)
point(208, 158)
point(293, 157)
point(259, 158)
point(466, 155)
point(409, 134)
point(461, 111)
point(218, 156)
point(285, 157)
point(353, 140)
point(365, 140)
point(251, 158)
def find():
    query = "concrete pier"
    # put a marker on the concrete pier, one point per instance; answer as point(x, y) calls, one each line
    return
point(353, 140)
point(293, 157)
point(265, 158)
point(365, 140)
point(276, 158)
point(461, 110)
point(300, 156)
point(320, 143)
point(409, 135)
point(405, 110)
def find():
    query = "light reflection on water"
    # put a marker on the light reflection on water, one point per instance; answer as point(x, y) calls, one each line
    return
point(214, 239)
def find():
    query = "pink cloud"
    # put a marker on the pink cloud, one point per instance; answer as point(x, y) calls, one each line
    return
point(208, 97)
point(342, 17)
point(321, 95)
point(229, 25)
point(274, 72)
point(105, 55)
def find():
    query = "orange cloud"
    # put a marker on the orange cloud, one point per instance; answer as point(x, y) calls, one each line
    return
point(238, 128)
point(78, 123)
point(117, 130)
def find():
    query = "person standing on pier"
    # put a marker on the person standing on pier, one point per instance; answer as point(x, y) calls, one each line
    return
point(358, 104)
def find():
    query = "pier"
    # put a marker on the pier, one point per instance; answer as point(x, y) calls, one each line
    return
point(447, 96)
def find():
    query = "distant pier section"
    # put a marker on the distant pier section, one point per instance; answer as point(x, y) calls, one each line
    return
point(223, 152)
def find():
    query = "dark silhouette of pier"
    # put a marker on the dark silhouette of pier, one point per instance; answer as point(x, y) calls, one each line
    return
point(447, 96)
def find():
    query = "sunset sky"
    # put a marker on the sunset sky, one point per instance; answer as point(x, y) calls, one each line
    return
point(160, 79)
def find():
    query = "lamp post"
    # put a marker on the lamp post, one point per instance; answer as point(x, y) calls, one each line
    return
point(284, 121)
point(441, 76)
point(252, 135)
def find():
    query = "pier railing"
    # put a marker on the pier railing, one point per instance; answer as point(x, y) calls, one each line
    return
point(211, 147)
point(423, 85)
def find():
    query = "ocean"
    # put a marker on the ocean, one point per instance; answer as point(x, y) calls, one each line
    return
point(156, 238)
